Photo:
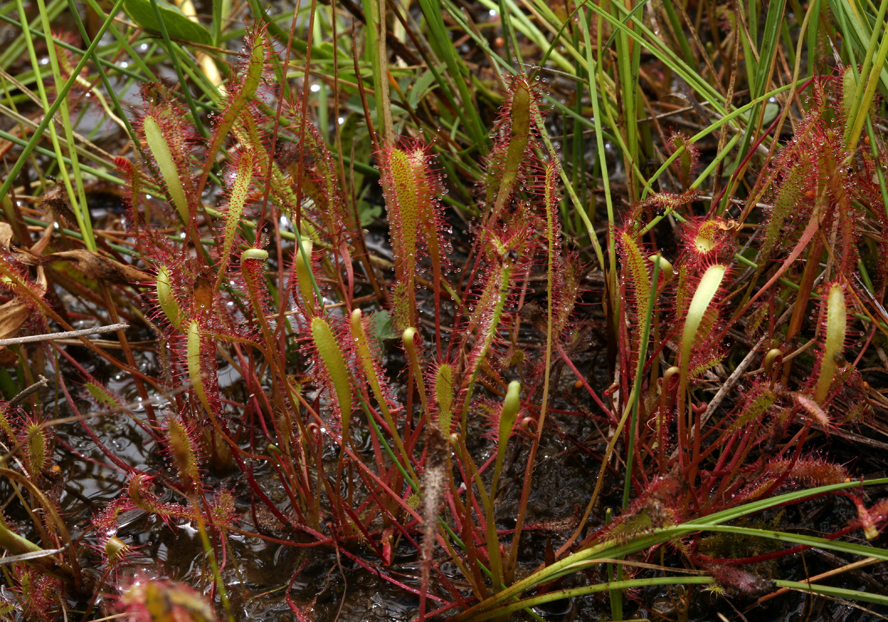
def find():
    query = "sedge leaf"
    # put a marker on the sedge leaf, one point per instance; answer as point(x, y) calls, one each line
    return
point(177, 23)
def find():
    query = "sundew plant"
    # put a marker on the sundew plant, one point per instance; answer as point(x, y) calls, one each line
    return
point(446, 311)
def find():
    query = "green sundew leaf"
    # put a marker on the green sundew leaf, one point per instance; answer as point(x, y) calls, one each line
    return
point(160, 149)
point(444, 396)
point(836, 324)
point(250, 82)
point(404, 200)
point(101, 395)
point(519, 134)
point(407, 199)
point(35, 454)
point(753, 410)
point(177, 23)
point(365, 356)
point(703, 296)
point(640, 280)
point(165, 298)
point(705, 366)
point(334, 363)
point(788, 197)
point(182, 450)
point(484, 322)
point(239, 191)
point(195, 374)
point(303, 274)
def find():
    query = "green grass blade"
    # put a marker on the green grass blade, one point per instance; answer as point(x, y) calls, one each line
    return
point(592, 68)
point(47, 118)
point(77, 197)
point(440, 38)
point(15, 48)
point(857, 32)
point(864, 96)
point(172, 50)
point(118, 109)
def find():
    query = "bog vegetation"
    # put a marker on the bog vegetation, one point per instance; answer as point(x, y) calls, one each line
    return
point(546, 311)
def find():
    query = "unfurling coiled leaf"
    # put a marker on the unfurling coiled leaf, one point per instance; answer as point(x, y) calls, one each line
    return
point(252, 262)
point(334, 362)
point(665, 267)
point(773, 358)
point(116, 550)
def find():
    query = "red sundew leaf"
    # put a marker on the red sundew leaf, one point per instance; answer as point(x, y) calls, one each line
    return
point(813, 408)
point(740, 581)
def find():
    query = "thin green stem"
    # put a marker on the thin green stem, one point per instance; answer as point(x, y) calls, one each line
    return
point(636, 389)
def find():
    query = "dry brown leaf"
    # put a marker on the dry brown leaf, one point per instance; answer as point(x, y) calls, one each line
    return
point(38, 248)
point(12, 315)
point(31, 256)
point(5, 235)
point(99, 267)
point(55, 202)
point(8, 358)
point(42, 283)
